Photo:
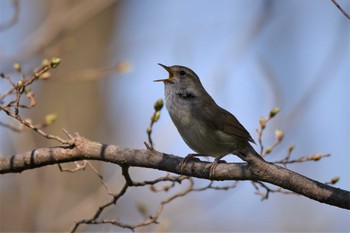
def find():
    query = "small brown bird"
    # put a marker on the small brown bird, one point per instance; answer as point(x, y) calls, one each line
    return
point(206, 128)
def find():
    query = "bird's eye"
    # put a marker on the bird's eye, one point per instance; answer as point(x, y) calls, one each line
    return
point(182, 72)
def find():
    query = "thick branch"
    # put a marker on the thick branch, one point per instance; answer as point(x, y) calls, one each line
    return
point(255, 169)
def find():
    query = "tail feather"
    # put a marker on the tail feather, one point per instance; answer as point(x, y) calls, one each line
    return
point(249, 152)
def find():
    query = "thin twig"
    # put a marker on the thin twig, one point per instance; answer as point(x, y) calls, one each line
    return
point(341, 9)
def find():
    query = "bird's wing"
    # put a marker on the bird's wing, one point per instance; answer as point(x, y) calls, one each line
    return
point(228, 123)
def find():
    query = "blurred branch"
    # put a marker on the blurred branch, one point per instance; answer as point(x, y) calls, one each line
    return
point(99, 73)
point(63, 16)
point(13, 20)
point(245, 42)
point(334, 57)
point(341, 9)
point(130, 183)
point(271, 79)
point(265, 195)
point(256, 170)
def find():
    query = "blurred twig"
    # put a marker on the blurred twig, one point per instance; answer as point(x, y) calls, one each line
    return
point(341, 9)
point(142, 208)
point(11, 100)
point(270, 77)
point(130, 183)
point(244, 41)
point(13, 20)
point(279, 134)
point(92, 74)
point(314, 157)
point(337, 53)
point(265, 195)
point(62, 17)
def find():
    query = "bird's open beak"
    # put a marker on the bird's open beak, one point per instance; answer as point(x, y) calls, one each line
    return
point(171, 74)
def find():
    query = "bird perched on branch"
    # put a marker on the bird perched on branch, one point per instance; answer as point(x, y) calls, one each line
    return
point(206, 128)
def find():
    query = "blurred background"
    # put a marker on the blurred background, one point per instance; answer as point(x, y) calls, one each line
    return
point(250, 55)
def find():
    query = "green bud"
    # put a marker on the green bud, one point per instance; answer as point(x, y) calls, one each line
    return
point(55, 61)
point(279, 135)
point(291, 147)
point(19, 84)
point(27, 90)
point(268, 150)
point(45, 62)
point(155, 116)
point(335, 180)
point(262, 122)
point(149, 130)
point(158, 105)
point(315, 157)
point(274, 111)
point(17, 67)
point(123, 67)
point(28, 121)
point(36, 75)
point(141, 207)
point(51, 118)
point(166, 187)
point(45, 76)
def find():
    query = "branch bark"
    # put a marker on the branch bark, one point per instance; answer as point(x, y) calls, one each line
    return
point(255, 170)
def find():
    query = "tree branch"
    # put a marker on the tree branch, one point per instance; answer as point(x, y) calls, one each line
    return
point(255, 170)
point(341, 9)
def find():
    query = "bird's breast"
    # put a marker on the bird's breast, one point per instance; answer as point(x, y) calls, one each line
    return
point(187, 116)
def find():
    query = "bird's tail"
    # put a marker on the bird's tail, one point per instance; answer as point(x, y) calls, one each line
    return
point(249, 152)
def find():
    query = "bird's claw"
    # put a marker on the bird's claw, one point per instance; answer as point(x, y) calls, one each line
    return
point(183, 163)
point(213, 166)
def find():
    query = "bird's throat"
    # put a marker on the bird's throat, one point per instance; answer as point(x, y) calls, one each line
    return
point(185, 94)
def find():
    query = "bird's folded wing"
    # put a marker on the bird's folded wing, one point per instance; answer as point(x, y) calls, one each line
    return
point(228, 123)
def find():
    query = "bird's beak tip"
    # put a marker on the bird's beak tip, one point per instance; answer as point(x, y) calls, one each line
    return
point(168, 80)
point(158, 80)
point(167, 68)
point(164, 66)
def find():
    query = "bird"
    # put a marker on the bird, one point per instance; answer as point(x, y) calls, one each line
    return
point(206, 128)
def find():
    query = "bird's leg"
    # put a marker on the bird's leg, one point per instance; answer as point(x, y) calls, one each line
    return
point(183, 163)
point(214, 164)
